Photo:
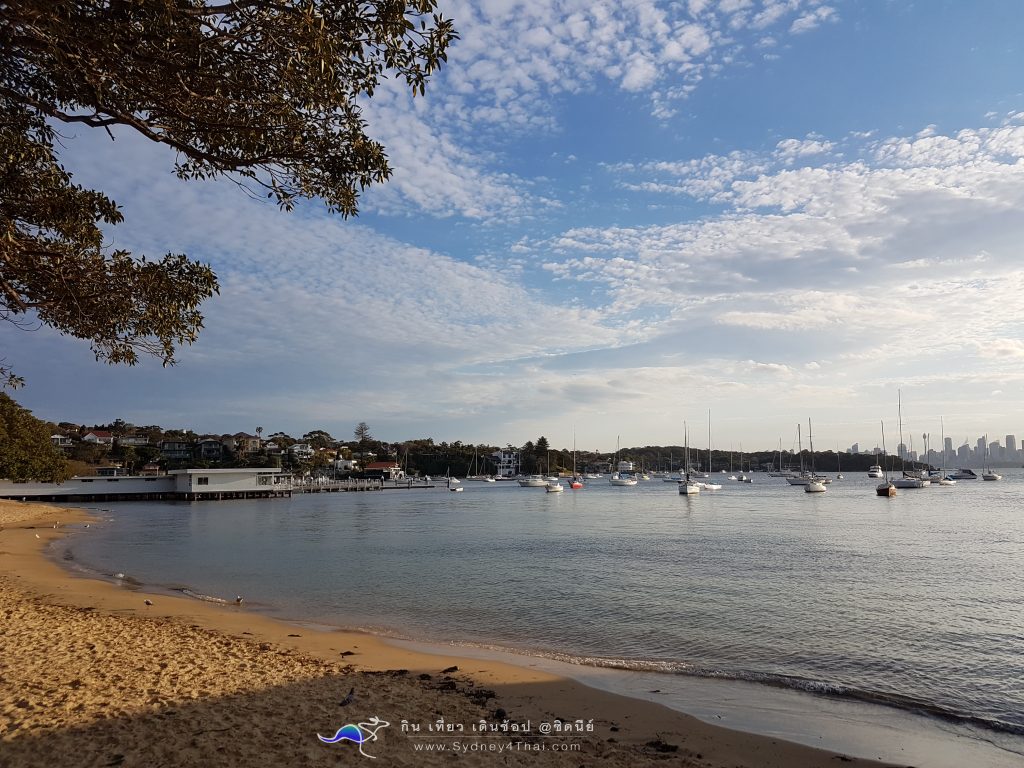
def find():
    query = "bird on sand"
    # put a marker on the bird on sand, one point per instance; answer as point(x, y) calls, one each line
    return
point(348, 699)
point(238, 599)
point(148, 602)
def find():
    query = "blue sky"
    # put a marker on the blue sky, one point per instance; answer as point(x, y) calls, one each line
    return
point(611, 218)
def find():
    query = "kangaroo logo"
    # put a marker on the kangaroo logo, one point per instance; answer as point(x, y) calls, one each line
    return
point(358, 734)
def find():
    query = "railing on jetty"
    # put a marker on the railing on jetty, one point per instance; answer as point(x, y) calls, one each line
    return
point(358, 484)
point(352, 484)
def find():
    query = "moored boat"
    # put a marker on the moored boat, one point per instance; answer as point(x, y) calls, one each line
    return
point(885, 488)
point(531, 481)
point(963, 474)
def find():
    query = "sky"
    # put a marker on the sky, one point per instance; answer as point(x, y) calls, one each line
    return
point(608, 219)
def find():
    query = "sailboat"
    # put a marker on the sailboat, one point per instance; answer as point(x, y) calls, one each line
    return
point(686, 486)
point(741, 478)
point(839, 470)
point(622, 476)
point(943, 478)
point(576, 483)
point(814, 484)
point(800, 479)
point(987, 473)
point(907, 481)
point(886, 488)
point(710, 486)
point(780, 472)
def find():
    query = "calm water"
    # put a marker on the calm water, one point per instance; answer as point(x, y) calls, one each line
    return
point(916, 601)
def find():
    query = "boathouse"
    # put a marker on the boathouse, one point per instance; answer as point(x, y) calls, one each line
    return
point(178, 484)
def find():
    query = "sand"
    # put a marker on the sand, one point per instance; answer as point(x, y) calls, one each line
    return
point(90, 675)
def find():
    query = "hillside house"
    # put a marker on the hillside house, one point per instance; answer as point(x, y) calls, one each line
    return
point(209, 449)
point(62, 441)
point(175, 450)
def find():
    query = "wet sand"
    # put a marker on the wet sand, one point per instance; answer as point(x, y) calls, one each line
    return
point(90, 675)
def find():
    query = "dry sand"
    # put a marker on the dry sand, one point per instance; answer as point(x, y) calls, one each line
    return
point(92, 676)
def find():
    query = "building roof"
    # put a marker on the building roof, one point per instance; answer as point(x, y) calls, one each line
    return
point(382, 465)
point(234, 470)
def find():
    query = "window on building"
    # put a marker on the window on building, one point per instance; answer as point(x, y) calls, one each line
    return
point(202, 481)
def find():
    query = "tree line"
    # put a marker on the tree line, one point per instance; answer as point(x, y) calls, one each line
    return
point(28, 453)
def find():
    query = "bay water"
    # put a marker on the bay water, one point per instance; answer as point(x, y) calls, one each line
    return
point(914, 603)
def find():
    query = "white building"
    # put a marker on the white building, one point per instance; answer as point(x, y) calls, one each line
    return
point(302, 451)
point(186, 484)
point(507, 462)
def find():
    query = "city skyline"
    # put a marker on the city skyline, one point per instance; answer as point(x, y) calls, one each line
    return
point(607, 219)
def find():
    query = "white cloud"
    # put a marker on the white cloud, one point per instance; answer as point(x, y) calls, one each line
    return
point(811, 20)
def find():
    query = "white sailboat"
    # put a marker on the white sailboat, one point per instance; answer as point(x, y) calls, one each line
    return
point(987, 473)
point(710, 486)
point(577, 482)
point(814, 484)
point(943, 479)
point(622, 476)
point(907, 481)
point(686, 486)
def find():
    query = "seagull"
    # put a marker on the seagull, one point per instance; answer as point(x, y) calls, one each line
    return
point(238, 600)
point(148, 602)
point(37, 535)
point(348, 699)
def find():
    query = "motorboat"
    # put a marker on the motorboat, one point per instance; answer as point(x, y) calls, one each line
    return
point(531, 481)
point(814, 486)
point(622, 479)
point(963, 474)
point(555, 487)
point(875, 471)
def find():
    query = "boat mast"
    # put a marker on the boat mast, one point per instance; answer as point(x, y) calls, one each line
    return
point(686, 451)
point(899, 411)
point(709, 444)
point(810, 437)
point(800, 447)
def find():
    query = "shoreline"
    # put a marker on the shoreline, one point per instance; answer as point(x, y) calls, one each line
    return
point(280, 663)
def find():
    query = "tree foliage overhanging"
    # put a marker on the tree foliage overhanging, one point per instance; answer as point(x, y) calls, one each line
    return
point(264, 92)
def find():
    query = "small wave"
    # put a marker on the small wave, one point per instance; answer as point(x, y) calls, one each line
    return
point(200, 596)
point(788, 682)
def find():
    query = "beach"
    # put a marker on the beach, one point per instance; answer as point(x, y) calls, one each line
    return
point(90, 675)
